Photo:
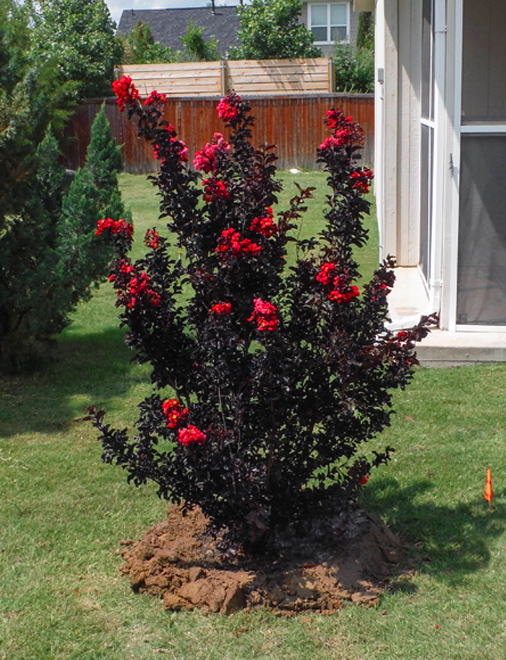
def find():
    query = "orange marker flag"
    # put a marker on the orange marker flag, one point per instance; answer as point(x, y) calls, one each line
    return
point(488, 488)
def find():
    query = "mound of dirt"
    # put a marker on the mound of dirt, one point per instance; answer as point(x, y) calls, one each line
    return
point(346, 558)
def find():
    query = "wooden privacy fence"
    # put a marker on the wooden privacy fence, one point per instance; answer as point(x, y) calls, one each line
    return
point(195, 79)
point(293, 123)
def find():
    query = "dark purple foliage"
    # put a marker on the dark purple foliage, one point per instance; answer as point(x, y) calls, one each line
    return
point(266, 382)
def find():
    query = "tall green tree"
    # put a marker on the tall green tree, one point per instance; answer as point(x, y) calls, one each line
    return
point(270, 29)
point(79, 36)
point(141, 48)
point(365, 32)
point(50, 257)
point(196, 48)
point(354, 69)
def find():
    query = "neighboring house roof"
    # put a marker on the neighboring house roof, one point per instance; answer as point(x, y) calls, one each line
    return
point(169, 25)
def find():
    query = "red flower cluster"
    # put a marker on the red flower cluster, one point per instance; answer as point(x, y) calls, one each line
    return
point(213, 188)
point(340, 292)
point(124, 269)
point(364, 480)
point(125, 91)
point(326, 273)
point(342, 139)
point(343, 296)
point(152, 239)
point(362, 178)
point(335, 119)
point(205, 160)
point(230, 244)
point(115, 227)
point(139, 286)
point(221, 309)
point(347, 131)
point(132, 286)
point(265, 315)
point(175, 412)
point(402, 336)
point(265, 226)
point(226, 111)
point(190, 435)
point(154, 98)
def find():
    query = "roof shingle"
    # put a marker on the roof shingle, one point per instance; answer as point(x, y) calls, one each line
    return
point(169, 25)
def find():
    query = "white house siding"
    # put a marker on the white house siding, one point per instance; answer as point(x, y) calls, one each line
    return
point(409, 74)
point(399, 129)
point(400, 96)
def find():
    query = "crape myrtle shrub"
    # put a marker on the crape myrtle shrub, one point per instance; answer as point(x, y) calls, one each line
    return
point(266, 382)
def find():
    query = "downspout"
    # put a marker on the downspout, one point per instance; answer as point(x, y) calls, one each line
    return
point(379, 120)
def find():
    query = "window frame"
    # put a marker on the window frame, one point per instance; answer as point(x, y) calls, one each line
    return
point(329, 26)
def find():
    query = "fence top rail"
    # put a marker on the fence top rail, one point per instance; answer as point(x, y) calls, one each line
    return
point(297, 61)
point(170, 66)
point(241, 64)
point(251, 97)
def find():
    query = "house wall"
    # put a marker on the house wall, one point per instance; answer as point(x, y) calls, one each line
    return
point(398, 129)
point(399, 97)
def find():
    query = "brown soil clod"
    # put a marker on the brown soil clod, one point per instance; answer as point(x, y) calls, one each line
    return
point(181, 563)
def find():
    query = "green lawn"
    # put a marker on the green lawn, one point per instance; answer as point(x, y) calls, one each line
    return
point(63, 514)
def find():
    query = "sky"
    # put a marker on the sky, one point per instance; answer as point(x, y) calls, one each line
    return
point(116, 7)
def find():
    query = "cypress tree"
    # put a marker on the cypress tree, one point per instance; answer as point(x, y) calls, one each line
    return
point(51, 258)
point(104, 162)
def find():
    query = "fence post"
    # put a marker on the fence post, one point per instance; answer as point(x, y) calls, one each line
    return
point(224, 78)
point(332, 76)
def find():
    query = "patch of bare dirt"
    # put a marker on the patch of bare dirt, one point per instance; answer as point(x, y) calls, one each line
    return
point(346, 558)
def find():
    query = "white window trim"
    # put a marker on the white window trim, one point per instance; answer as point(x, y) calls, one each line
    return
point(487, 129)
point(310, 25)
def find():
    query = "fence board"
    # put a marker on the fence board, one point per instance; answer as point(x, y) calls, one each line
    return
point(245, 76)
point(279, 76)
point(293, 123)
point(185, 78)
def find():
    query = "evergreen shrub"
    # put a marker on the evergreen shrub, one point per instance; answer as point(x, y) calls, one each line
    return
point(354, 69)
point(50, 256)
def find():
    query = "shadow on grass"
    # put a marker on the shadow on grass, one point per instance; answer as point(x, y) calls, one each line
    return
point(91, 369)
point(445, 541)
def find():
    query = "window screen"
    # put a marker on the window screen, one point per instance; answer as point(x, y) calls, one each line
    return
point(338, 15)
point(481, 289)
point(484, 62)
point(319, 15)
